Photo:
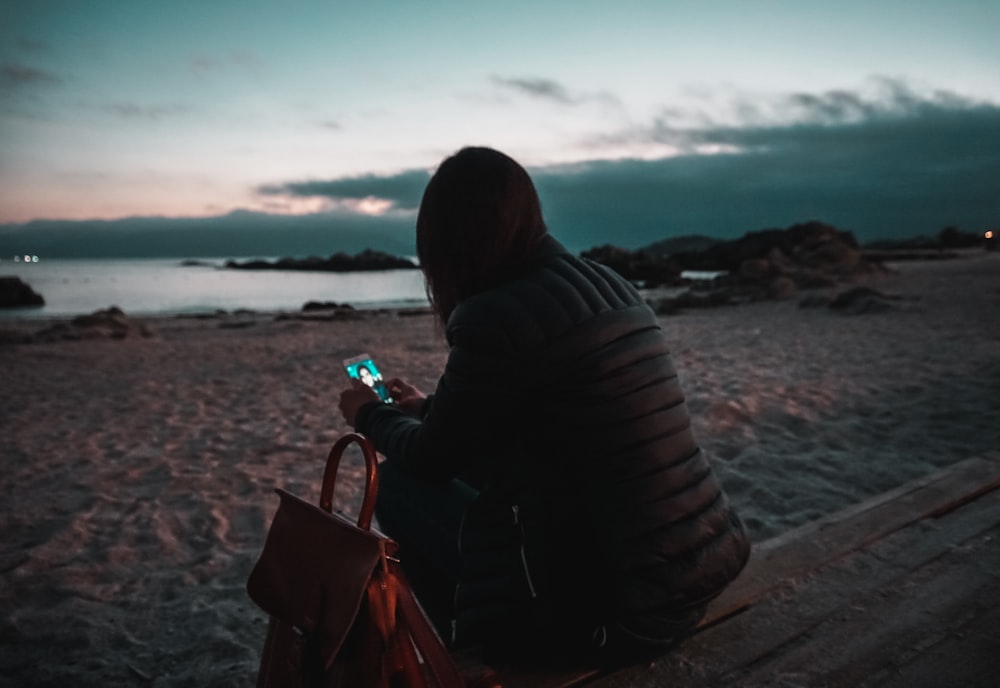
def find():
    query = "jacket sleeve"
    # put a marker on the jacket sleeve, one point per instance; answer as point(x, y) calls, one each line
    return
point(471, 410)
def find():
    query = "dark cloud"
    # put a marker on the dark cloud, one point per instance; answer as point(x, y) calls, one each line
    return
point(13, 75)
point(403, 190)
point(887, 100)
point(549, 90)
point(892, 99)
point(890, 165)
point(897, 167)
point(546, 89)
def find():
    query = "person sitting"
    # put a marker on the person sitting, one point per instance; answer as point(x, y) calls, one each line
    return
point(549, 497)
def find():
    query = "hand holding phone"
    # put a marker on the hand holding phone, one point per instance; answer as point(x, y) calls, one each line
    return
point(363, 368)
point(409, 399)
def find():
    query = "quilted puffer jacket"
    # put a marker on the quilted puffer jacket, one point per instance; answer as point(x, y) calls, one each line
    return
point(599, 516)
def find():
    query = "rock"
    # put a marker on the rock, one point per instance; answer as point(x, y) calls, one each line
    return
point(642, 267)
point(17, 294)
point(814, 279)
point(862, 300)
point(777, 263)
point(833, 256)
point(695, 299)
point(367, 260)
point(814, 301)
point(326, 306)
point(15, 336)
point(780, 261)
point(322, 314)
point(756, 269)
point(113, 318)
point(811, 245)
point(782, 288)
point(110, 323)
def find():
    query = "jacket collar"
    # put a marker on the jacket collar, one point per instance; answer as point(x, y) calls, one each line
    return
point(548, 246)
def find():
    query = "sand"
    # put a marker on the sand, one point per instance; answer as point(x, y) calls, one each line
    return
point(137, 473)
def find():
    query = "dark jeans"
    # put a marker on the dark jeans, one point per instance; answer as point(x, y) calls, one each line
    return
point(425, 518)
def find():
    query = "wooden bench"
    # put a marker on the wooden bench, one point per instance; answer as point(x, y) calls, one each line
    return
point(801, 607)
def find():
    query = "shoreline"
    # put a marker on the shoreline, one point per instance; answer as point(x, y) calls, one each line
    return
point(138, 472)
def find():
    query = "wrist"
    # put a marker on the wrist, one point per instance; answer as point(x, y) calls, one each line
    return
point(363, 412)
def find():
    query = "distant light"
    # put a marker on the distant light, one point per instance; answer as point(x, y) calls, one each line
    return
point(34, 259)
point(989, 234)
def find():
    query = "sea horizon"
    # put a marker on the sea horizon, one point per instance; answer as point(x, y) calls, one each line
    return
point(192, 286)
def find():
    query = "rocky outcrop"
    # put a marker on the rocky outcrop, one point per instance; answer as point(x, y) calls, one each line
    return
point(367, 260)
point(314, 311)
point(774, 264)
point(326, 306)
point(110, 323)
point(642, 267)
point(15, 293)
point(811, 250)
point(854, 301)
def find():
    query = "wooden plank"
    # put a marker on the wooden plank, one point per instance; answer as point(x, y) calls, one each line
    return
point(804, 549)
point(790, 633)
point(541, 678)
point(790, 557)
point(526, 677)
point(965, 658)
point(889, 622)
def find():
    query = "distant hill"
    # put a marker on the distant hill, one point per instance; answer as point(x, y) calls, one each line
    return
point(240, 234)
point(683, 244)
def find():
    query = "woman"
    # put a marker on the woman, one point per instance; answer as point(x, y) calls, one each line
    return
point(551, 485)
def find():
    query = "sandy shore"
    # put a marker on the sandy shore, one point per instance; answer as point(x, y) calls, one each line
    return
point(137, 473)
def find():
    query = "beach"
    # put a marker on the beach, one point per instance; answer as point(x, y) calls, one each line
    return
point(138, 470)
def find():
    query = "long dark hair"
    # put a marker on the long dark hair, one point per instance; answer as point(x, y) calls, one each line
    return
point(479, 219)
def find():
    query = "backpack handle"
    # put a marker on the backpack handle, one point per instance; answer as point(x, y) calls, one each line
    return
point(371, 477)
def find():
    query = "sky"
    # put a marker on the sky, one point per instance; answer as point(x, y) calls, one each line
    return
point(637, 119)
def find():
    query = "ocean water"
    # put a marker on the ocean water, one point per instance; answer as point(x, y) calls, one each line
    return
point(166, 287)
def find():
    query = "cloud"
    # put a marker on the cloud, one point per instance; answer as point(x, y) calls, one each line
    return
point(378, 195)
point(884, 163)
point(886, 99)
point(892, 163)
point(546, 89)
point(30, 45)
point(882, 98)
point(135, 111)
point(241, 60)
point(14, 75)
point(888, 162)
point(550, 90)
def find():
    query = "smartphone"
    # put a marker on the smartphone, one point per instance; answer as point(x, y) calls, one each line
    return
point(362, 367)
